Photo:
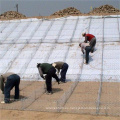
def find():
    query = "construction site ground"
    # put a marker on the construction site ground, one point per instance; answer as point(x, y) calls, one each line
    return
point(33, 115)
point(35, 104)
point(82, 102)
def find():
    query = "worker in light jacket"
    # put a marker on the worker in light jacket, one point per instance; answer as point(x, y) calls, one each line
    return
point(63, 67)
point(7, 82)
point(85, 48)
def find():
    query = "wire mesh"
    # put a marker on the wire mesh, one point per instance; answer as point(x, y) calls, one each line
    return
point(91, 89)
point(77, 97)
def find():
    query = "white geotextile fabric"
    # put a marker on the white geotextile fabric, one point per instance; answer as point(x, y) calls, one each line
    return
point(26, 42)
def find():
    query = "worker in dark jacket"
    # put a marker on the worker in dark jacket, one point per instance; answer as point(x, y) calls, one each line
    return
point(63, 67)
point(92, 40)
point(7, 82)
point(50, 71)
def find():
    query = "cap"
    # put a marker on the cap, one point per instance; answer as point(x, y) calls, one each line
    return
point(83, 34)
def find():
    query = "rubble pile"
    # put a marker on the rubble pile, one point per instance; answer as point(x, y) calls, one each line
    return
point(67, 11)
point(12, 15)
point(105, 9)
point(70, 11)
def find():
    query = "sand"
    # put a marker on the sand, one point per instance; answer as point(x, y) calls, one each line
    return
point(32, 115)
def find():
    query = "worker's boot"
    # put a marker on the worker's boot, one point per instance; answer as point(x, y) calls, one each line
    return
point(49, 92)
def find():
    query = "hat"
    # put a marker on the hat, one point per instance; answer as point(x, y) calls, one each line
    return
point(83, 34)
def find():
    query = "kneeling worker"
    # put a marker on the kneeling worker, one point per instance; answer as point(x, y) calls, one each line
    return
point(7, 82)
point(50, 71)
point(63, 67)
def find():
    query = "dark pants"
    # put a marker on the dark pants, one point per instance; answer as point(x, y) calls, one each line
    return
point(87, 49)
point(12, 81)
point(51, 73)
point(92, 44)
point(64, 71)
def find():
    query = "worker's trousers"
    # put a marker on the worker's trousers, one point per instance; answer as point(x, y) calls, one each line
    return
point(64, 71)
point(12, 81)
point(51, 73)
point(92, 44)
point(87, 49)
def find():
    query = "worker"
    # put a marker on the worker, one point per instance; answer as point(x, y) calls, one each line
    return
point(7, 82)
point(50, 71)
point(92, 40)
point(85, 47)
point(63, 67)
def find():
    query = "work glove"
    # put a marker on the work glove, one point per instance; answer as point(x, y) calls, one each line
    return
point(38, 65)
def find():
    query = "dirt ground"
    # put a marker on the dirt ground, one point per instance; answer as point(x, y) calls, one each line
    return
point(35, 102)
point(32, 115)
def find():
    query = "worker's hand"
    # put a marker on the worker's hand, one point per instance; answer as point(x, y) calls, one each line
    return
point(38, 65)
point(58, 82)
point(43, 77)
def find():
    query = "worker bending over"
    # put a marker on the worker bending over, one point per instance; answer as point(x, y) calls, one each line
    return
point(85, 48)
point(7, 82)
point(50, 71)
point(92, 40)
point(63, 67)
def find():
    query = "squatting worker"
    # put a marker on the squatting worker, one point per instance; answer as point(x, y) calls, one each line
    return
point(92, 40)
point(85, 47)
point(50, 71)
point(7, 82)
point(63, 67)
